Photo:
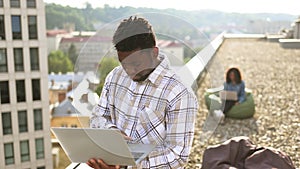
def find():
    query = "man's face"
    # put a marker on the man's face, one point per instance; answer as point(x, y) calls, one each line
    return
point(138, 64)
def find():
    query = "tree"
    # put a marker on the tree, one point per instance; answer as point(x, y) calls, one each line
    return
point(189, 53)
point(59, 62)
point(106, 65)
point(72, 53)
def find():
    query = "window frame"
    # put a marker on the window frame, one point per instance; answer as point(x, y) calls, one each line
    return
point(38, 122)
point(21, 95)
point(40, 153)
point(29, 2)
point(25, 156)
point(2, 27)
point(12, 156)
point(19, 66)
point(3, 66)
point(36, 90)
point(6, 89)
point(6, 123)
point(16, 31)
point(15, 1)
point(32, 27)
point(34, 62)
point(23, 123)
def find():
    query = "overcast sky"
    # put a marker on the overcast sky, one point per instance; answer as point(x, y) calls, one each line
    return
point(241, 6)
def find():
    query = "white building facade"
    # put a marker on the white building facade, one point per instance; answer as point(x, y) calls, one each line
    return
point(24, 103)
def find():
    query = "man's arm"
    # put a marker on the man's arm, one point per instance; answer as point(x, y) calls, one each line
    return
point(180, 120)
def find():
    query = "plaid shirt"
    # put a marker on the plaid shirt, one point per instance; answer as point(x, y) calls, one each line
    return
point(160, 111)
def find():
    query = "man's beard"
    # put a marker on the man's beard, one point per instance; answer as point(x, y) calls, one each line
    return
point(143, 75)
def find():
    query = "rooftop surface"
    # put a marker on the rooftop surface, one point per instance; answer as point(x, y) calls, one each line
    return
point(273, 74)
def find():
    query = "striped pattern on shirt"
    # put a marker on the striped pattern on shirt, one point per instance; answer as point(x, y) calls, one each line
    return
point(160, 111)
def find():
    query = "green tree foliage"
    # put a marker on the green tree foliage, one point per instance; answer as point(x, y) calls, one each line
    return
point(188, 53)
point(59, 62)
point(85, 18)
point(57, 16)
point(106, 65)
point(72, 54)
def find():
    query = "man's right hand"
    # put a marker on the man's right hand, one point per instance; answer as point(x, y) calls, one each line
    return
point(100, 164)
point(123, 133)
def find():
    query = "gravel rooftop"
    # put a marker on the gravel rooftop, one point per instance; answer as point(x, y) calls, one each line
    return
point(273, 75)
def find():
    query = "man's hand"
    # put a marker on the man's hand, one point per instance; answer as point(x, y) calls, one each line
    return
point(100, 164)
point(123, 133)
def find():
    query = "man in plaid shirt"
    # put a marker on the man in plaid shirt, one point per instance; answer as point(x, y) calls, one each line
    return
point(146, 100)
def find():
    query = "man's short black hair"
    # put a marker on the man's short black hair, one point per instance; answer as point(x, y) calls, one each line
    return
point(134, 33)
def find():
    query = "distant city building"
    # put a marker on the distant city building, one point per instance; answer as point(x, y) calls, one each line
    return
point(90, 50)
point(91, 47)
point(60, 84)
point(296, 27)
point(54, 37)
point(292, 36)
point(24, 106)
point(174, 50)
point(72, 98)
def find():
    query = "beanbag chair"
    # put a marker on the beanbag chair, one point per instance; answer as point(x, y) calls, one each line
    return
point(240, 111)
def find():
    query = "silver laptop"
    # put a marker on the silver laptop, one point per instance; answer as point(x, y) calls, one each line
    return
point(82, 144)
point(228, 95)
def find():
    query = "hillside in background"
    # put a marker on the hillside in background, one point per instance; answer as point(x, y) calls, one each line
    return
point(208, 21)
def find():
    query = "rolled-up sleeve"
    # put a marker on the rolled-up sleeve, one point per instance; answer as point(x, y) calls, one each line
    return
point(180, 120)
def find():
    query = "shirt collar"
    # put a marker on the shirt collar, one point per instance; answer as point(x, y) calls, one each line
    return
point(157, 75)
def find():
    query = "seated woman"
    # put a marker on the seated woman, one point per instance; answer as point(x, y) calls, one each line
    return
point(234, 83)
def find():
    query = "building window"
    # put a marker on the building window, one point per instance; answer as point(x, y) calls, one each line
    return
point(34, 59)
point(16, 27)
point(15, 3)
point(3, 60)
point(9, 153)
point(41, 167)
point(64, 125)
point(24, 149)
point(1, 3)
point(74, 125)
point(31, 4)
point(22, 119)
point(38, 119)
point(18, 56)
point(4, 92)
point(32, 27)
point(39, 148)
point(36, 89)
point(2, 25)
point(6, 123)
point(21, 95)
